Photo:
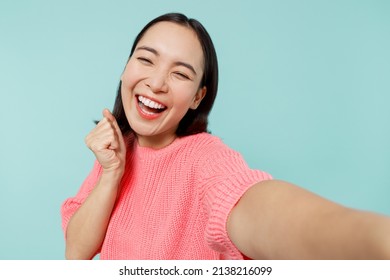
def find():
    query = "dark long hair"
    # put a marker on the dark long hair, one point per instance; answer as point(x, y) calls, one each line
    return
point(195, 121)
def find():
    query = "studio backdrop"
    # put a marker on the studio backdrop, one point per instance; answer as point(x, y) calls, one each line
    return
point(304, 94)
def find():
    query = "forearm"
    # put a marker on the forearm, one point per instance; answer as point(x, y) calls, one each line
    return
point(277, 220)
point(327, 230)
point(353, 234)
point(87, 228)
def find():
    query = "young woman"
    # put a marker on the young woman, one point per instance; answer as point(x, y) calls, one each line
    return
point(162, 187)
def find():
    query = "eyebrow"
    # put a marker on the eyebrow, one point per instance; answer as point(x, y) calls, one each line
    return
point(177, 63)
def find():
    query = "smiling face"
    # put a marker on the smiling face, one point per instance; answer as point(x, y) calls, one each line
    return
point(161, 82)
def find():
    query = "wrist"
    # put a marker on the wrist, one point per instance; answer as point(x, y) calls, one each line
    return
point(112, 176)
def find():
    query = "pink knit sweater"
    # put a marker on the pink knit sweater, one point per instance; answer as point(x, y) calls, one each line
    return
point(174, 202)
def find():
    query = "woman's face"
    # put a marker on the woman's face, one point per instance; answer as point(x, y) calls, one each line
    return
point(161, 82)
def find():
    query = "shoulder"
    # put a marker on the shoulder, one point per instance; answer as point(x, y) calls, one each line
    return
point(205, 149)
point(211, 156)
point(204, 143)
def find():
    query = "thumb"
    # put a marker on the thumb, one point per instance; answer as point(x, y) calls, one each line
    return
point(110, 117)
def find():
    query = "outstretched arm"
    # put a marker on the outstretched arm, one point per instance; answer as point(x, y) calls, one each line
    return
point(278, 220)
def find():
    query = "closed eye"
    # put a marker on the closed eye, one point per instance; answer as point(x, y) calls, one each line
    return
point(144, 60)
point(182, 76)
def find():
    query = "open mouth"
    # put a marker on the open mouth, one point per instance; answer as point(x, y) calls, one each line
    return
point(149, 106)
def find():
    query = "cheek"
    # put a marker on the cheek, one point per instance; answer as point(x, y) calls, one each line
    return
point(186, 95)
point(130, 76)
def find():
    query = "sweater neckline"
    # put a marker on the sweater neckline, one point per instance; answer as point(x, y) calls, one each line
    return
point(164, 150)
point(147, 149)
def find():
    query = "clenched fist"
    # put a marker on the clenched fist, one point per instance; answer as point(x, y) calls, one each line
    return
point(106, 142)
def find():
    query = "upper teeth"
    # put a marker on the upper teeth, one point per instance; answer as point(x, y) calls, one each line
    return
point(150, 103)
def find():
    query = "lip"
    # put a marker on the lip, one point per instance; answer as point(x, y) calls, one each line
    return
point(142, 112)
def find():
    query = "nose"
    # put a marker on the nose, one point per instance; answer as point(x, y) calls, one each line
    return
point(157, 81)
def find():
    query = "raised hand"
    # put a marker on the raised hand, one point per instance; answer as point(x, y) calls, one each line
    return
point(107, 143)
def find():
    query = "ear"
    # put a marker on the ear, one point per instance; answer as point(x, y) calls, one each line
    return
point(198, 97)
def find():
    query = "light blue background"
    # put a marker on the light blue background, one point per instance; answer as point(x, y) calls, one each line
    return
point(304, 94)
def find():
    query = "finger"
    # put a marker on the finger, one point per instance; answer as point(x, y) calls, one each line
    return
point(110, 117)
point(103, 136)
point(101, 140)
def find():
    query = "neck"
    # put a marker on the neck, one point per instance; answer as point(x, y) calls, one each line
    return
point(155, 142)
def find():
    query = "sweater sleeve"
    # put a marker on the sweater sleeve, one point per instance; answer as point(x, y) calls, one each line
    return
point(225, 178)
point(72, 204)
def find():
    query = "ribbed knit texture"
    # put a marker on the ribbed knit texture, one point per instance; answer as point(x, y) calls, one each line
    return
point(174, 202)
